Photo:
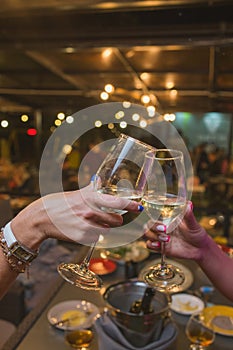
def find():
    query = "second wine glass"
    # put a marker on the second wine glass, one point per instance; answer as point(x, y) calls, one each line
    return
point(123, 173)
point(165, 201)
point(199, 331)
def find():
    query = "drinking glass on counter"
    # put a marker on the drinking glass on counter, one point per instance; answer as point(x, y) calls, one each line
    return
point(79, 338)
point(199, 332)
point(123, 173)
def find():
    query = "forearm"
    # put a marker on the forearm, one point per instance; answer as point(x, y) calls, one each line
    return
point(7, 275)
point(218, 267)
point(24, 228)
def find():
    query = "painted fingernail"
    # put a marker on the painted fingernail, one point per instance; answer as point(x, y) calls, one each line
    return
point(155, 244)
point(162, 228)
point(164, 238)
point(191, 206)
point(93, 178)
point(140, 208)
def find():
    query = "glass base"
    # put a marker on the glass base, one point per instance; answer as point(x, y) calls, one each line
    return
point(164, 278)
point(80, 276)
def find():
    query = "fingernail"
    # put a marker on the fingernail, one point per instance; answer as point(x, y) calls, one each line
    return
point(140, 208)
point(93, 178)
point(191, 206)
point(155, 244)
point(162, 228)
point(165, 238)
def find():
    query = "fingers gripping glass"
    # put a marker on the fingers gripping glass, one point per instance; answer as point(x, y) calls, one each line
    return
point(165, 201)
point(123, 173)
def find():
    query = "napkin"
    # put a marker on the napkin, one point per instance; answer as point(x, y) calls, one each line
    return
point(110, 336)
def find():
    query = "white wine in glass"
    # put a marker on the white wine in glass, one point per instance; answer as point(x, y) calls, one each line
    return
point(165, 201)
point(123, 173)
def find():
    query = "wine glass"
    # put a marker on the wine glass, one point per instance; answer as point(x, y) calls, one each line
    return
point(199, 331)
point(123, 173)
point(165, 201)
point(78, 338)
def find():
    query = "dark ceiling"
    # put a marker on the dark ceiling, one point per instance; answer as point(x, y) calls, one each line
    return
point(179, 51)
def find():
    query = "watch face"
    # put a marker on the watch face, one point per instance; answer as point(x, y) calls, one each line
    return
point(21, 254)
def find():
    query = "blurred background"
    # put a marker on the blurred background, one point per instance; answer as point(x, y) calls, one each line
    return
point(175, 57)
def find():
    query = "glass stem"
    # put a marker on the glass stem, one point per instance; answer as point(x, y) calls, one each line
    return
point(85, 263)
point(163, 256)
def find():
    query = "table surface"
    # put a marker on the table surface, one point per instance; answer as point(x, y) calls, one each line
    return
point(41, 335)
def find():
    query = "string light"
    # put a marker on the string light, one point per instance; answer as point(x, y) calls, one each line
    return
point(104, 96)
point(109, 88)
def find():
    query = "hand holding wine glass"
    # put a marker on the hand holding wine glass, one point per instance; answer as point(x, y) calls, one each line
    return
point(165, 201)
point(123, 174)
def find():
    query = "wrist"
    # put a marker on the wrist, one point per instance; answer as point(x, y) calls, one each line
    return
point(27, 226)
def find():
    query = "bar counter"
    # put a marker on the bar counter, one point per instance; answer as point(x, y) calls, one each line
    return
point(36, 333)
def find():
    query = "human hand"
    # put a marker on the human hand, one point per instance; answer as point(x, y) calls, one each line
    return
point(74, 216)
point(187, 240)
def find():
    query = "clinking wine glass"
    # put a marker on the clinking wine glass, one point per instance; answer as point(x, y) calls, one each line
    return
point(164, 202)
point(123, 173)
point(199, 331)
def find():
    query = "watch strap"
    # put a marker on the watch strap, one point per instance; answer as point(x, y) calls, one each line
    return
point(9, 235)
point(17, 255)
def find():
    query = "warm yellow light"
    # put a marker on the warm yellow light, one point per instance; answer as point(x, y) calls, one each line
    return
point(107, 52)
point(98, 123)
point(111, 126)
point(61, 116)
point(143, 123)
point(135, 117)
point(126, 104)
point(145, 99)
point(119, 115)
point(151, 111)
point(24, 118)
point(144, 76)
point(169, 117)
point(104, 96)
point(173, 93)
point(169, 84)
point(109, 88)
point(57, 122)
point(123, 125)
point(4, 123)
point(67, 149)
point(69, 49)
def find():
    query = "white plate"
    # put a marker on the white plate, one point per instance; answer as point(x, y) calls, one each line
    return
point(188, 274)
point(73, 309)
point(186, 304)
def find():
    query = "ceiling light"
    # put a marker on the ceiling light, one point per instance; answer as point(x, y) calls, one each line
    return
point(69, 49)
point(104, 96)
point(69, 119)
point(24, 118)
point(145, 99)
point(151, 111)
point(143, 123)
point(123, 124)
point(135, 117)
point(126, 104)
point(111, 126)
point(169, 85)
point(107, 52)
point(61, 116)
point(109, 88)
point(119, 115)
point(57, 122)
point(173, 93)
point(4, 123)
point(98, 123)
point(144, 76)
